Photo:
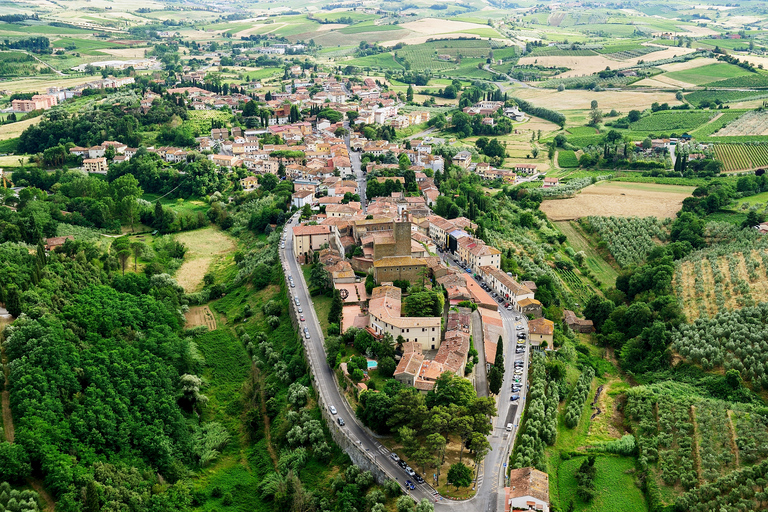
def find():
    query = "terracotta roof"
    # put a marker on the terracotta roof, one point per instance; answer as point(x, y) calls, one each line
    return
point(529, 482)
point(410, 364)
point(528, 302)
point(541, 326)
point(311, 230)
point(399, 261)
point(514, 287)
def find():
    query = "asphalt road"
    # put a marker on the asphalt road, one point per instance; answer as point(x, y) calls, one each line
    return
point(325, 378)
point(491, 477)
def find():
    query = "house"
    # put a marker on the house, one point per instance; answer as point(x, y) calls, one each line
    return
point(528, 490)
point(384, 311)
point(226, 161)
point(525, 168)
point(541, 330)
point(462, 159)
point(505, 286)
point(95, 165)
point(531, 307)
point(249, 183)
point(301, 198)
point(550, 182)
point(408, 368)
point(57, 241)
point(575, 323)
point(308, 239)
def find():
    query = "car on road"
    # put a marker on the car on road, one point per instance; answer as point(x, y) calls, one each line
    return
point(514, 398)
point(332, 409)
point(394, 457)
point(402, 463)
point(340, 422)
point(410, 471)
point(509, 308)
point(409, 485)
point(519, 327)
point(509, 427)
point(418, 479)
point(306, 335)
point(517, 318)
point(300, 310)
point(293, 285)
point(302, 318)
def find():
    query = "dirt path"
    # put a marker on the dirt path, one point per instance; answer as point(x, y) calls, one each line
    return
point(37, 485)
point(732, 438)
point(264, 416)
point(695, 449)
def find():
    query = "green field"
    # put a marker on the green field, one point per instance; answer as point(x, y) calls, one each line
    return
point(566, 158)
point(614, 485)
point(697, 97)
point(381, 60)
point(664, 122)
point(604, 272)
point(757, 80)
point(363, 28)
point(708, 73)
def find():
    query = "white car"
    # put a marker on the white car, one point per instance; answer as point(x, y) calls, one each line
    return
point(332, 409)
point(509, 427)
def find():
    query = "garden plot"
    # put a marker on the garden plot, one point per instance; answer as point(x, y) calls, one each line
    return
point(752, 123)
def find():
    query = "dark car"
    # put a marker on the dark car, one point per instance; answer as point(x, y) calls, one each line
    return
point(514, 398)
point(402, 463)
point(341, 422)
point(409, 485)
point(418, 479)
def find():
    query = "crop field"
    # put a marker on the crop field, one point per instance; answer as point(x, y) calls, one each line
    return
point(751, 123)
point(667, 121)
point(200, 120)
point(714, 283)
point(425, 56)
point(704, 132)
point(709, 73)
point(619, 199)
point(566, 158)
point(757, 80)
point(629, 239)
point(381, 60)
point(697, 97)
point(739, 157)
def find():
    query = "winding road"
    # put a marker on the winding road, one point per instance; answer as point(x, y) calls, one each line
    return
point(491, 477)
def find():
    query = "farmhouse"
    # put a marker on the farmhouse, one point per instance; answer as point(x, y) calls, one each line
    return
point(575, 323)
point(525, 168)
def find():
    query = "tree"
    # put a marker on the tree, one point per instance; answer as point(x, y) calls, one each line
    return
point(495, 379)
point(337, 305)
point(136, 249)
point(92, 497)
point(404, 504)
point(595, 116)
point(451, 389)
point(634, 116)
point(647, 143)
point(409, 93)
point(480, 446)
point(319, 277)
point(733, 378)
point(387, 367)
point(593, 104)
point(424, 506)
point(459, 475)
point(436, 445)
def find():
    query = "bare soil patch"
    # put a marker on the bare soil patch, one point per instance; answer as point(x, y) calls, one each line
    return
point(581, 99)
point(690, 64)
point(204, 246)
point(127, 53)
point(619, 199)
point(200, 315)
point(432, 26)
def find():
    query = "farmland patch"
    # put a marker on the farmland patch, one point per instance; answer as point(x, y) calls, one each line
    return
point(204, 247)
point(619, 199)
point(752, 123)
point(740, 157)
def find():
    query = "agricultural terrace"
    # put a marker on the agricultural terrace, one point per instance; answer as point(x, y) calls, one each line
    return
point(722, 279)
point(689, 441)
point(629, 239)
point(606, 199)
point(740, 157)
point(735, 340)
point(754, 122)
point(601, 269)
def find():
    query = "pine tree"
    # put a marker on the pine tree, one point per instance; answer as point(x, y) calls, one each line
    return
point(91, 497)
point(495, 378)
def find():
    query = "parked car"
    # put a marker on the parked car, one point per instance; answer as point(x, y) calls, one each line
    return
point(340, 422)
point(300, 310)
point(514, 398)
point(409, 485)
point(509, 427)
point(418, 479)
point(306, 335)
point(332, 409)
point(394, 457)
point(302, 318)
point(293, 285)
point(509, 308)
point(410, 471)
point(402, 464)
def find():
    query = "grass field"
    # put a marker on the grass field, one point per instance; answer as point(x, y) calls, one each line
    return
point(566, 158)
point(620, 199)
point(381, 60)
point(709, 73)
point(604, 272)
point(13, 130)
point(206, 247)
point(668, 121)
point(614, 485)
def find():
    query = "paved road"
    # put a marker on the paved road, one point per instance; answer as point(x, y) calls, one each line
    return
point(481, 374)
point(324, 375)
point(354, 158)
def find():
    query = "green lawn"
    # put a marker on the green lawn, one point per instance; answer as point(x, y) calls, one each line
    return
point(192, 205)
point(614, 485)
point(708, 73)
